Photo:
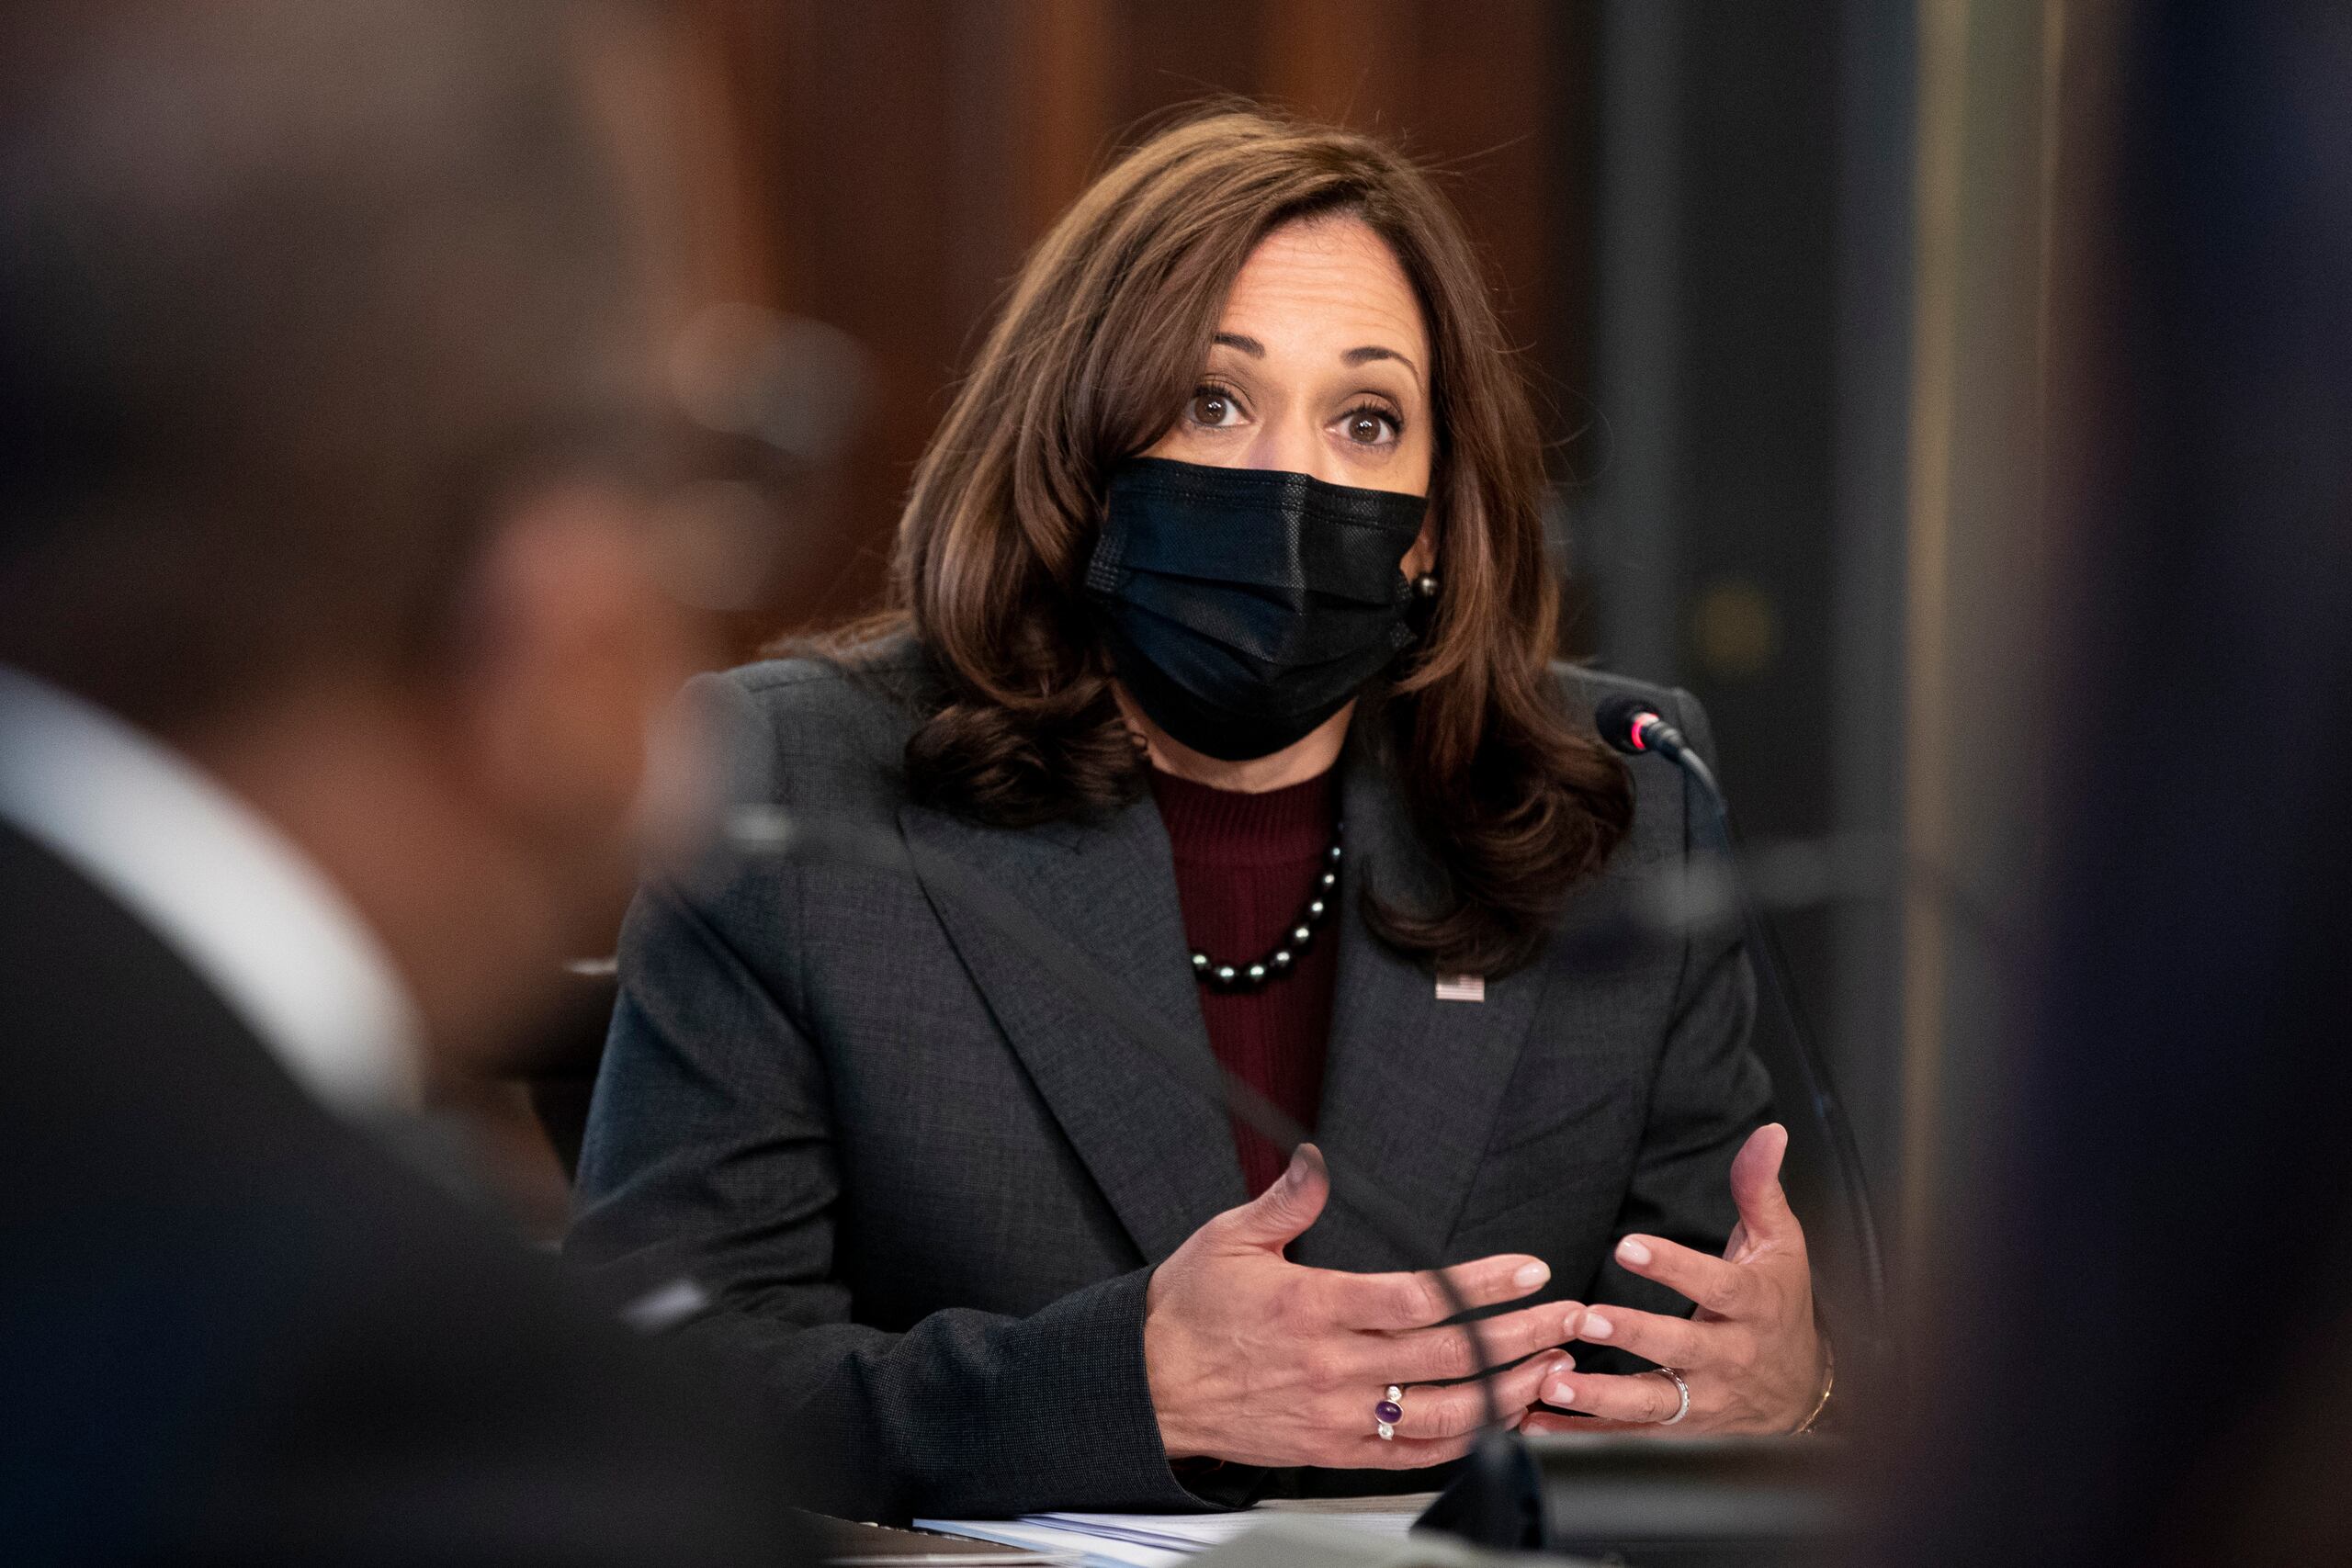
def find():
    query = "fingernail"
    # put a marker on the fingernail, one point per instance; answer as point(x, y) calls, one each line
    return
point(1295, 1173)
point(1633, 1251)
point(1596, 1328)
point(1573, 1321)
point(1531, 1275)
point(1559, 1393)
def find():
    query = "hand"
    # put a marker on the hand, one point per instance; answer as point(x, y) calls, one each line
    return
point(1750, 1354)
point(1257, 1360)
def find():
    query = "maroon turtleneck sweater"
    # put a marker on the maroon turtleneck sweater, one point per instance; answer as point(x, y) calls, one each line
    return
point(1245, 867)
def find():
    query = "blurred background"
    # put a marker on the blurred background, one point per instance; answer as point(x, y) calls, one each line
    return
point(1793, 436)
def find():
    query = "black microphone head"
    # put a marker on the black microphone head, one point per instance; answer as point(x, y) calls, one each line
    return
point(1619, 719)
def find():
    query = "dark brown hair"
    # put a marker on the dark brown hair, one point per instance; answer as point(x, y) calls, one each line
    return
point(1098, 348)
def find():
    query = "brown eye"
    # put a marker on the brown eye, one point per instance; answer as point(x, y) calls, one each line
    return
point(1212, 407)
point(1371, 426)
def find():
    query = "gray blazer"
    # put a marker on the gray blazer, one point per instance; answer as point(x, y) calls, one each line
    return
point(926, 1187)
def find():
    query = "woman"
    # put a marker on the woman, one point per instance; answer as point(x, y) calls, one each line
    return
point(1221, 650)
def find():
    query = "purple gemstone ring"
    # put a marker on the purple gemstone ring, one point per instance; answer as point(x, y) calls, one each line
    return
point(1387, 1412)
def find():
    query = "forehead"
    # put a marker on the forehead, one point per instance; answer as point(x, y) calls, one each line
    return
point(1326, 282)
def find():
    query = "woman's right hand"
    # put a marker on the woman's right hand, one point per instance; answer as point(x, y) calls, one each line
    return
point(1257, 1360)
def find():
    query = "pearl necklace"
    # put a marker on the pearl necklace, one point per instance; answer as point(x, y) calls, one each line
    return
point(1250, 976)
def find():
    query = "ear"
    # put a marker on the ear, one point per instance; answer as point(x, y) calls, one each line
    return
point(576, 653)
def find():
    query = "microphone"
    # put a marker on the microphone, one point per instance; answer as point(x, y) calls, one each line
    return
point(1633, 727)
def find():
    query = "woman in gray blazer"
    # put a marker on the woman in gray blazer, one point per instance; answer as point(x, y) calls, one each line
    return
point(1222, 648)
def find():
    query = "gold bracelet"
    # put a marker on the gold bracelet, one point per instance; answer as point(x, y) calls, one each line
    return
point(1828, 1382)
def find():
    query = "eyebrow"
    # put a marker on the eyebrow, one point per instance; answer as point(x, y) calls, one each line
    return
point(1365, 356)
point(1371, 352)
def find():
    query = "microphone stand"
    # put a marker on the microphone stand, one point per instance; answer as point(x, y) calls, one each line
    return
point(1634, 729)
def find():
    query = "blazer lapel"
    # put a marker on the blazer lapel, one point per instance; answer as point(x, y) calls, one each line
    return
point(1413, 1084)
point(1162, 1155)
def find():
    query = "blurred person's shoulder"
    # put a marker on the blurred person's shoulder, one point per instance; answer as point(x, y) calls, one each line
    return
point(1658, 807)
point(277, 1292)
point(1583, 688)
point(888, 671)
point(822, 725)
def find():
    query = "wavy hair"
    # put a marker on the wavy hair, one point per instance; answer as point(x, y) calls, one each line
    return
point(1095, 352)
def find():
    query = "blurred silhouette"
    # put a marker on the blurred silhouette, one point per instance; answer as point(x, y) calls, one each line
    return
point(2145, 1353)
point(328, 646)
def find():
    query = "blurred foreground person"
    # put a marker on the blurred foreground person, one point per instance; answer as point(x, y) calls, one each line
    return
point(2173, 1156)
point(326, 658)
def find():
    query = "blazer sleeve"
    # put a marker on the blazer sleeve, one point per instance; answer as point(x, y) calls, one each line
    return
point(710, 1154)
point(1709, 1091)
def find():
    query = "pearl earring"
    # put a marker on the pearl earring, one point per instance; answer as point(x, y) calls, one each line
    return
point(1425, 585)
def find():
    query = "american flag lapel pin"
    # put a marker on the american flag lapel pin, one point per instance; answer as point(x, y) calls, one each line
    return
point(1462, 988)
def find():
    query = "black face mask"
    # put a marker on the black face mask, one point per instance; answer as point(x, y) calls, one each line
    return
point(1243, 607)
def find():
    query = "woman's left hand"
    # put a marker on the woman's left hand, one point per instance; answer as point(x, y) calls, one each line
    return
point(1750, 1354)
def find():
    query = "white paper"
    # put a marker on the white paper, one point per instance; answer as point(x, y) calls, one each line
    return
point(1138, 1540)
point(1068, 1545)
